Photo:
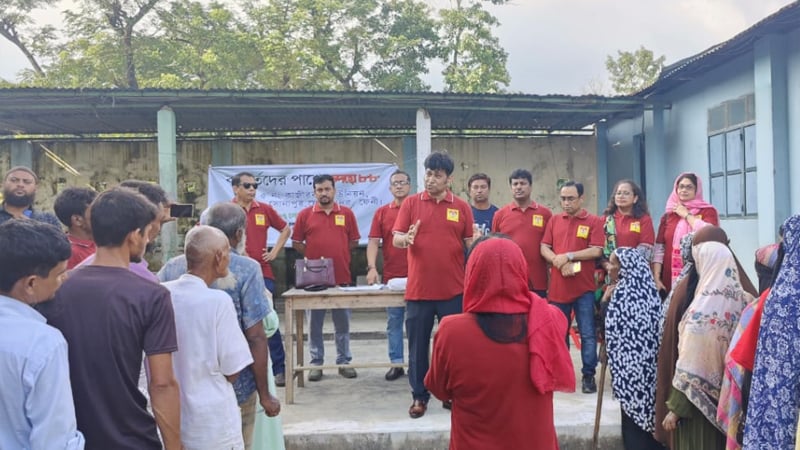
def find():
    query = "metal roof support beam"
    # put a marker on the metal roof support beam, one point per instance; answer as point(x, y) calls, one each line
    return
point(775, 187)
point(423, 147)
point(168, 175)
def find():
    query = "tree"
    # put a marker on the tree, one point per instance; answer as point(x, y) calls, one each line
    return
point(17, 28)
point(277, 26)
point(344, 44)
point(630, 72)
point(403, 51)
point(110, 23)
point(474, 60)
point(200, 47)
point(272, 44)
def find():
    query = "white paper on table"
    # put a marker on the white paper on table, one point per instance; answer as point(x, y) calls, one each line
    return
point(367, 287)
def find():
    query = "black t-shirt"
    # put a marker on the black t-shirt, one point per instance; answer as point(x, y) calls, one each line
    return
point(109, 316)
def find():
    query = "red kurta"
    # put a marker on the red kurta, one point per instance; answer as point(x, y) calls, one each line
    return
point(495, 405)
point(666, 231)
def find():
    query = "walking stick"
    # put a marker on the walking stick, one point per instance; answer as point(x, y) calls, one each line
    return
point(599, 410)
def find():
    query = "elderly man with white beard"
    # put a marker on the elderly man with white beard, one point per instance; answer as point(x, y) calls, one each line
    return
point(246, 287)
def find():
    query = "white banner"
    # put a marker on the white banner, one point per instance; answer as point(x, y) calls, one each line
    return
point(288, 188)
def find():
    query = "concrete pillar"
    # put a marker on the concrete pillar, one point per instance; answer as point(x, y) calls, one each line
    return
point(658, 180)
point(603, 183)
point(423, 146)
point(221, 153)
point(168, 175)
point(410, 159)
point(22, 154)
point(773, 182)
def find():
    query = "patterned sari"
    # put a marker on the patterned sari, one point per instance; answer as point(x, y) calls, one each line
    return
point(775, 394)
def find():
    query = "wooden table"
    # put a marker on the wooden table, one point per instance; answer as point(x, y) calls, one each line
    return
point(299, 300)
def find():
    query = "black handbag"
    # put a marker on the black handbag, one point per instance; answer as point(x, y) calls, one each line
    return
point(314, 272)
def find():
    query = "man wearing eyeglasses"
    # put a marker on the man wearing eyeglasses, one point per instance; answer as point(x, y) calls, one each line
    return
point(395, 264)
point(260, 218)
point(572, 241)
point(19, 192)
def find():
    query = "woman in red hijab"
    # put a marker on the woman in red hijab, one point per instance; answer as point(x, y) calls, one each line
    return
point(500, 361)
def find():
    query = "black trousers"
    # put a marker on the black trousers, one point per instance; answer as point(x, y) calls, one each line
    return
point(419, 326)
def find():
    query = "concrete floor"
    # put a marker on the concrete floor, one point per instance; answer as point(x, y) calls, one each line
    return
point(369, 412)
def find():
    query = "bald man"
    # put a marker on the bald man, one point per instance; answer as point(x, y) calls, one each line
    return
point(211, 347)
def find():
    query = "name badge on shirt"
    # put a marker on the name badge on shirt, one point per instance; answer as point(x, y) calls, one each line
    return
point(339, 220)
point(583, 231)
point(261, 220)
point(452, 215)
point(635, 227)
point(538, 221)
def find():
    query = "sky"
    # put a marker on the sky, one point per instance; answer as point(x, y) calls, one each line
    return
point(560, 46)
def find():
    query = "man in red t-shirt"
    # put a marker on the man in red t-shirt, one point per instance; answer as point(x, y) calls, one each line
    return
point(70, 207)
point(524, 221)
point(328, 230)
point(395, 264)
point(260, 218)
point(572, 241)
point(434, 226)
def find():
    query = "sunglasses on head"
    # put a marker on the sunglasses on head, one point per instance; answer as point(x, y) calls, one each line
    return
point(250, 185)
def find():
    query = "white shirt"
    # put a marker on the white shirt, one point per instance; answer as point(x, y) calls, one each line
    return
point(210, 346)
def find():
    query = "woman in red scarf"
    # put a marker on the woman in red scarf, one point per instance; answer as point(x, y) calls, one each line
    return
point(686, 211)
point(500, 361)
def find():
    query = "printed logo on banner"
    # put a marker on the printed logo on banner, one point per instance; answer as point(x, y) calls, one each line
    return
point(452, 215)
point(583, 231)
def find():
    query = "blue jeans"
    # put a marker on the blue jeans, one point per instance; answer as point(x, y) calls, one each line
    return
point(341, 326)
point(276, 351)
point(584, 314)
point(419, 325)
point(394, 332)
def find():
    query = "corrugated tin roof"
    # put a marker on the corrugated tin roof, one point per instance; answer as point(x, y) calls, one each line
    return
point(36, 111)
point(782, 21)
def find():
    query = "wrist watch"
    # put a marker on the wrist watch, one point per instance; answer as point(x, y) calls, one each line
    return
point(570, 256)
point(370, 268)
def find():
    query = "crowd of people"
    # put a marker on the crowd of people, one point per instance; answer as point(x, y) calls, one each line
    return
point(104, 353)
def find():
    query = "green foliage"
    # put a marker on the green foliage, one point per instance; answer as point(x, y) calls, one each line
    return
point(475, 61)
point(630, 72)
point(265, 44)
point(16, 27)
